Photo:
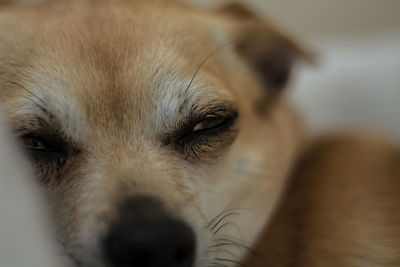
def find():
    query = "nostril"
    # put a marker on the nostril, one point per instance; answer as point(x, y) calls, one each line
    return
point(184, 250)
point(147, 246)
point(129, 245)
point(157, 242)
point(182, 256)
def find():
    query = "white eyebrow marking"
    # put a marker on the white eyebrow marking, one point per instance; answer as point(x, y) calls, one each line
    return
point(168, 110)
point(176, 94)
point(55, 106)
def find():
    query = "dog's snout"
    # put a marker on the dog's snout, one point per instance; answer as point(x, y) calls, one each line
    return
point(146, 236)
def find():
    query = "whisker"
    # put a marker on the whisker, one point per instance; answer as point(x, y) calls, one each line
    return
point(77, 262)
point(224, 225)
point(29, 91)
point(223, 250)
point(42, 107)
point(223, 217)
point(232, 239)
point(215, 264)
point(227, 242)
point(205, 60)
point(223, 212)
point(229, 260)
point(60, 241)
point(231, 242)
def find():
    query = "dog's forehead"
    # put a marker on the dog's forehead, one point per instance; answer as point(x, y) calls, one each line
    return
point(121, 68)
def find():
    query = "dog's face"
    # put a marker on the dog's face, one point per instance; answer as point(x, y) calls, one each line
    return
point(157, 130)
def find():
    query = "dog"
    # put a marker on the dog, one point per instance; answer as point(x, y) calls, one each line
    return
point(162, 136)
point(157, 130)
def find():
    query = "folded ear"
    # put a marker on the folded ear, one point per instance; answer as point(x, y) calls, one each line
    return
point(266, 50)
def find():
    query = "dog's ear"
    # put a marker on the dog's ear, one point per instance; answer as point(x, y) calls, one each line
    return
point(267, 51)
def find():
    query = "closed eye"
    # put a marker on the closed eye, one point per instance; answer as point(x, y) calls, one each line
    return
point(213, 124)
point(210, 122)
point(45, 147)
point(33, 143)
point(210, 131)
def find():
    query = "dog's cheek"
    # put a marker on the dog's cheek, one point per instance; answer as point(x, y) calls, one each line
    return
point(53, 171)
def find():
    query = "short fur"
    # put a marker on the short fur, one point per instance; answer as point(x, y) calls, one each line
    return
point(340, 208)
point(113, 85)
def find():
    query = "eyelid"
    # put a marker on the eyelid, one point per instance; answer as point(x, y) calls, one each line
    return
point(49, 142)
point(186, 127)
point(189, 134)
point(53, 140)
point(210, 113)
point(215, 119)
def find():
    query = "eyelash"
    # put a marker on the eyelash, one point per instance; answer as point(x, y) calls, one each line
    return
point(195, 143)
point(54, 150)
point(187, 141)
point(224, 125)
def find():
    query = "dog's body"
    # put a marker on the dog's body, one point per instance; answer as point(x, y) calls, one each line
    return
point(340, 208)
point(147, 116)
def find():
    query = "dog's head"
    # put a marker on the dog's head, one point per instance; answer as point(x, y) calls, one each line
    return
point(157, 130)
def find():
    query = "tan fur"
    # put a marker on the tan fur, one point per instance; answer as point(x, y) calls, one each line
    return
point(340, 208)
point(112, 78)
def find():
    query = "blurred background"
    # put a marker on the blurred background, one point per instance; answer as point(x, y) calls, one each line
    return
point(356, 83)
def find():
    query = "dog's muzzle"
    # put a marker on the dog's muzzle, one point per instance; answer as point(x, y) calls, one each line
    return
point(145, 235)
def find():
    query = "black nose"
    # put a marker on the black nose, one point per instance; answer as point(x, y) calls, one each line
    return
point(146, 236)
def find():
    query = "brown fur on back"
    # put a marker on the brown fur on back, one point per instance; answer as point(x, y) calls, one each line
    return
point(341, 208)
